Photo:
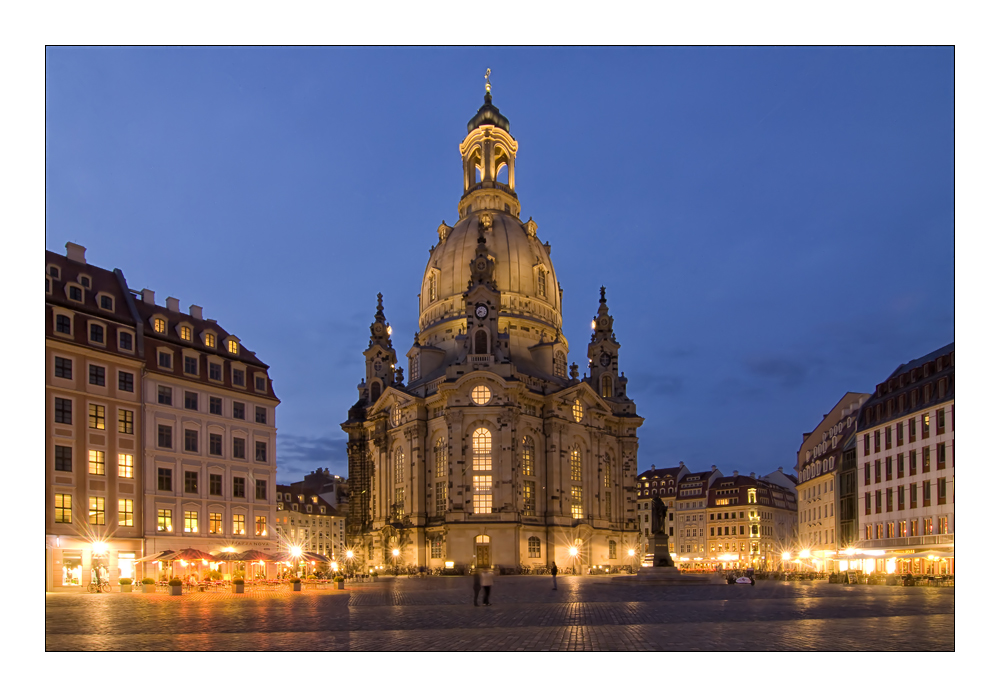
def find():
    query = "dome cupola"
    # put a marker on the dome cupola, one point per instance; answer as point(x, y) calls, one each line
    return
point(488, 154)
point(489, 115)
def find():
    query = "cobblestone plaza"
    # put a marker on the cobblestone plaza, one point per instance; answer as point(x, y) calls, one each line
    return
point(585, 613)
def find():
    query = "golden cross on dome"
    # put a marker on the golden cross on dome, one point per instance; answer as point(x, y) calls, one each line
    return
point(487, 79)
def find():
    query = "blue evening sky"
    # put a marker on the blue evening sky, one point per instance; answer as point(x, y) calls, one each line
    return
point(775, 226)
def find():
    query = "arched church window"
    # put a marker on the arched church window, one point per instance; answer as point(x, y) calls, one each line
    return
point(606, 386)
point(376, 391)
point(534, 548)
point(432, 288)
point(577, 411)
point(541, 283)
point(480, 347)
point(607, 471)
point(482, 449)
point(612, 549)
point(395, 414)
point(575, 465)
point(440, 458)
point(398, 467)
point(560, 361)
point(528, 456)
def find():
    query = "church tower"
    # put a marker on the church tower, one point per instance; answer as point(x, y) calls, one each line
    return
point(492, 452)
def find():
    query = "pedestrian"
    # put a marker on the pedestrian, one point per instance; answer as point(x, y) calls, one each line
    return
point(477, 582)
point(555, 570)
point(487, 585)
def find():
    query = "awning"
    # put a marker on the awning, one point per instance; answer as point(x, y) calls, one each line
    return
point(157, 556)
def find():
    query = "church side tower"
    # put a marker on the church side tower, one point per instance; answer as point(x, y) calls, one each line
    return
point(603, 354)
point(380, 357)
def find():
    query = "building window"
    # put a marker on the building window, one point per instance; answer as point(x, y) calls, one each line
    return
point(528, 456)
point(239, 448)
point(64, 508)
point(260, 526)
point(239, 378)
point(612, 549)
point(534, 548)
point(186, 333)
point(97, 375)
point(190, 521)
point(63, 324)
point(482, 449)
point(482, 493)
point(260, 451)
point(606, 386)
point(125, 381)
point(54, 272)
point(260, 489)
point(440, 497)
point(575, 465)
point(436, 548)
point(943, 525)
point(233, 346)
point(214, 523)
point(191, 400)
point(260, 415)
point(913, 462)
point(124, 340)
point(927, 492)
point(868, 503)
point(260, 382)
point(900, 468)
point(126, 469)
point(63, 411)
point(190, 440)
point(576, 502)
point(925, 426)
point(541, 283)
point(940, 421)
point(166, 360)
point(878, 471)
point(528, 489)
point(164, 520)
point(190, 482)
point(97, 334)
point(888, 500)
point(209, 340)
point(96, 510)
point(64, 368)
point(215, 487)
point(164, 436)
point(239, 524)
point(868, 473)
point(941, 456)
point(577, 411)
point(164, 395)
point(190, 365)
point(96, 417)
point(927, 460)
point(215, 405)
point(888, 437)
point(560, 364)
point(215, 371)
point(440, 458)
point(64, 458)
point(164, 479)
point(942, 491)
point(159, 326)
point(239, 488)
point(878, 441)
point(239, 410)
point(215, 444)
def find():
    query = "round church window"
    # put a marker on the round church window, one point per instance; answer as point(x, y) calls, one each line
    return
point(481, 394)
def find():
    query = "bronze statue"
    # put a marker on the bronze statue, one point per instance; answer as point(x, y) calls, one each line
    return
point(659, 517)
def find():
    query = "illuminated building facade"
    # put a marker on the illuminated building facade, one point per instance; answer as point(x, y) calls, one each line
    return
point(306, 520)
point(751, 521)
point(906, 468)
point(494, 451)
point(159, 428)
point(821, 471)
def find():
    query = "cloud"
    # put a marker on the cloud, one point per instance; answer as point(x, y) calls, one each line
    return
point(660, 384)
point(317, 451)
point(788, 373)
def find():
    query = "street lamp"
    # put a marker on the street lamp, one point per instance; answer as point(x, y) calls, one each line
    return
point(296, 552)
point(350, 561)
point(572, 554)
point(395, 562)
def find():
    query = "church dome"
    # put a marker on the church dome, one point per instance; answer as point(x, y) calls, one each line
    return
point(523, 272)
point(489, 115)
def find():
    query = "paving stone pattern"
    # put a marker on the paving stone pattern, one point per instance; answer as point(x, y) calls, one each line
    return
point(586, 613)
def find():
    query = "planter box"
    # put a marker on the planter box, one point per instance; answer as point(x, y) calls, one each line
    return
point(296, 586)
point(175, 590)
point(238, 587)
point(126, 588)
point(340, 585)
point(148, 588)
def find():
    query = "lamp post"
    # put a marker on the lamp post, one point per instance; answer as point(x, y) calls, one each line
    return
point(395, 562)
point(296, 552)
point(350, 561)
point(572, 554)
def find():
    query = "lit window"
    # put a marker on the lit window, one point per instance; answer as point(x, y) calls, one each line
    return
point(260, 526)
point(440, 497)
point(560, 364)
point(96, 510)
point(528, 456)
point(215, 523)
point(482, 496)
point(233, 346)
point(395, 414)
point(159, 326)
point(436, 548)
point(164, 520)
point(612, 549)
point(440, 458)
point(96, 417)
point(576, 502)
point(482, 449)
point(239, 524)
point(481, 394)
point(125, 468)
point(576, 465)
point(64, 508)
point(577, 411)
point(186, 333)
point(534, 548)
point(528, 490)
point(397, 469)
point(190, 521)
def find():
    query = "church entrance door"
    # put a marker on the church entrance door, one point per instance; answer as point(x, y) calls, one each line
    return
point(482, 556)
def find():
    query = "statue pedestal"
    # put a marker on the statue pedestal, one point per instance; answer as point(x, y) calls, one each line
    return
point(663, 570)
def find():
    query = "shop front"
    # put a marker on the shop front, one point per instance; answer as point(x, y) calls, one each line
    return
point(72, 562)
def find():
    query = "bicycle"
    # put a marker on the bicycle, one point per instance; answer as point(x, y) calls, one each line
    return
point(102, 587)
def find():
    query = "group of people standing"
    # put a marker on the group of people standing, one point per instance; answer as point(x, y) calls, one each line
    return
point(482, 580)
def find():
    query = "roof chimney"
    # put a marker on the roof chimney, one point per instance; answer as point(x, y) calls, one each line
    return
point(736, 473)
point(195, 311)
point(173, 304)
point(753, 475)
point(682, 463)
point(76, 252)
point(148, 296)
point(714, 468)
point(780, 469)
point(652, 468)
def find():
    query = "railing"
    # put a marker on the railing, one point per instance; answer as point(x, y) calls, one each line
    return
point(478, 359)
point(490, 185)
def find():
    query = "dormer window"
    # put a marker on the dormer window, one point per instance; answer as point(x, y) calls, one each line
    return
point(106, 302)
point(160, 325)
point(315, 499)
point(233, 346)
point(76, 293)
point(301, 498)
point(322, 509)
point(209, 339)
point(185, 332)
point(54, 272)
point(85, 281)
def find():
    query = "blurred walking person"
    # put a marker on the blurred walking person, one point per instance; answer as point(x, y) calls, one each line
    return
point(555, 570)
point(477, 582)
point(487, 585)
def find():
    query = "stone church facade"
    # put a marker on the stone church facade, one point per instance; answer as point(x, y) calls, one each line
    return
point(493, 453)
